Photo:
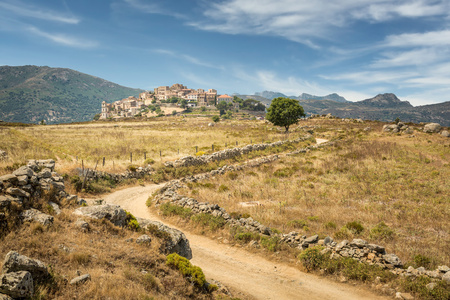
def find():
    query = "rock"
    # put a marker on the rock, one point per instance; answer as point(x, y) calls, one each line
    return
point(80, 279)
point(445, 133)
point(144, 239)
point(393, 260)
point(47, 163)
point(432, 128)
point(341, 245)
point(443, 269)
point(55, 207)
point(22, 180)
point(368, 129)
point(5, 297)
point(327, 241)
point(83, 225)
point(312, 239)
point(15, 262)
point(431, 286)
point(3, 155)
point(24, 170)
point(114, 213)
point(17, 284)
point(72, 198)
point(390, 128)
point(9, 178)
point(5, 201)
point(358, 243)
point(211, 124)
point(404, 296)
point(37, 216)
point(446, 277)
point(177, 242)
point(45, 173)
point(17, 192)
point(377, 248)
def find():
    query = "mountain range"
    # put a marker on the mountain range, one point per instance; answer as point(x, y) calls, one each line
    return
point(29, 94)
point(383, 107)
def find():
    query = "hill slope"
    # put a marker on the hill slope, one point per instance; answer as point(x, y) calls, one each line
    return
point(30, 94)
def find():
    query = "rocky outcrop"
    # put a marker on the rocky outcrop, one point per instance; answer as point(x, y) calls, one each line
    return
point(432, 128)
point(17, 284)
point(36, 216)
point(399, 127)
point(445, 133)
point(15, 262)
point(176, 242)
point(111, 212)
point(144, 239)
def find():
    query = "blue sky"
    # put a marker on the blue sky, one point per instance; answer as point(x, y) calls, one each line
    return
point(356, 48)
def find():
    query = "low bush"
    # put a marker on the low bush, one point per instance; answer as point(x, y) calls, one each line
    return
point(168, 209)
point(297, 223)
point(182, 264)
point(208, 220)
point(149, 161)
point(355, 227)
point(132, 223)
point(270, 243)
point(381, 232)
point(418, 286)
point(223, 188)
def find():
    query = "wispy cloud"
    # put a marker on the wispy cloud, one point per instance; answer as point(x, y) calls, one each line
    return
point(432, 38)
point(21, 9)
point(303, 20)
point(187, 58)
point(153, 8)
point(63, 39)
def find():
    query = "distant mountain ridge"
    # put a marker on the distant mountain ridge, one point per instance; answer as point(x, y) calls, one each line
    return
point(271, 95)
point(30, 94)
point(383, 107)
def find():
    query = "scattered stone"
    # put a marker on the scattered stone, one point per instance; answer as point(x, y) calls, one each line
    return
point(177, 242)
point(211, 124)
point(15, 262)
point(432, 128)
point(443, 269)
point(431, 286)
point(312, 239)
point(32, 214)
point(83, 225)
point(358, 243)
point(404, 296)
point(368, 129)
point(9, 178)
point(80, 279)
point(446, 277)
point(111, 212)
point(445, 133)
point(144, 239)
point(17, 192)
point(24, 170)
point(55, 207)
point(17, 284)
point(393, 260)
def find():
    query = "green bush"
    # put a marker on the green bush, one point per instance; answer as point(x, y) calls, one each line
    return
point(297, 223)
point(132, 168)
point(132, 223)
point(330, 225)
point(311, 258)
point(270, 243)
point(168, 209)
point(232, 175)
point(149, 161)
point(355, 227)
point(209, 220)
point(381, 232)
point(421, 261)
point(182, 264)
point(223, 188)
point(418, 285)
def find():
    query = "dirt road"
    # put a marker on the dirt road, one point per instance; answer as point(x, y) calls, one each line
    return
point(252, 276)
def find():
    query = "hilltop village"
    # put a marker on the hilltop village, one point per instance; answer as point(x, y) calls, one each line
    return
point(177, 95)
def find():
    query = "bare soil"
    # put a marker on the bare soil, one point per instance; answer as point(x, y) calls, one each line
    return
point(249, 276)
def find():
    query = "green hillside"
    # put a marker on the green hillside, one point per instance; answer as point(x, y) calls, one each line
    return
point(30, 94)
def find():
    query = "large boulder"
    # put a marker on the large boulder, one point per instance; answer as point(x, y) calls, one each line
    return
point(35, 215)
point(445, 133)
point(111, 212)
point(9, 178)
point(393, 259)
point(176, 242)
point(15, 262)
point(17, 284)
point(24, 170)
point(432, 128)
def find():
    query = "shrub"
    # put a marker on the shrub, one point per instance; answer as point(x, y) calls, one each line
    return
point(233, 175)
point(168, 209)
point(223, 188)
point(355, 227)
point(246, 236)
point(149, 161)
point(418, 286)
point(182, 264)
point(381, 232)
point(132, 168)
point(200, 153)
point(245, 215)
point(209, 220)
point(330, 225)
point(297, 223)
point(311, 258)
point(132, 223)
point(214, 118)
point(421, 261)
point(270, 243)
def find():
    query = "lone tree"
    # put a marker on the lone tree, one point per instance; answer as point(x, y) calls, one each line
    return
point(284, 112)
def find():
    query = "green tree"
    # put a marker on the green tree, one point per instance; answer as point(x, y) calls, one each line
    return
point(216, 118)
point(96, 117)
point(183, 103)
point(222, 105)
point(284, 112)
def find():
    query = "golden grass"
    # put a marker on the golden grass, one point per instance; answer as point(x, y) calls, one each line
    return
point(119, 269)
point(175, 137)
point(367, 177)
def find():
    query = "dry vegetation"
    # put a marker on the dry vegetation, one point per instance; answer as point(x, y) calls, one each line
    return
point(175, 137)
point(387, 189)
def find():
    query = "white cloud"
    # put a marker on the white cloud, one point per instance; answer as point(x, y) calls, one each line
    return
point(302, 20)
point(152, 8)
point(64, 39)
point(188, 58)
point(21, 9)
point(416, 57)
point(432, 38)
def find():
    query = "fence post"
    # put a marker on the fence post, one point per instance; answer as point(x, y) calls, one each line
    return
point(160, 155)
point(103, 161)
point(196, 149)
point(236, 143)
point(131, 157)
point(212, 147)
point(145, 155)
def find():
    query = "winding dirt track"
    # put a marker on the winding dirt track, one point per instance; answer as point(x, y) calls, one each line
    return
point(249, 276)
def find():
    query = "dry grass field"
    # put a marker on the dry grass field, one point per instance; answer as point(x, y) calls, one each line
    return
point(388, 189)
